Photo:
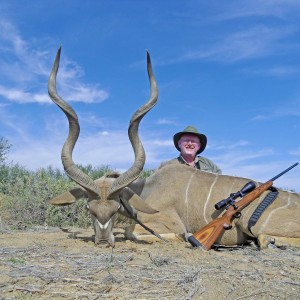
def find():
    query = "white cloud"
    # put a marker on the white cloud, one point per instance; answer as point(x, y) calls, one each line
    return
point(265, 171)
point(229, 146)
point(113, 149)
point(291, 109)
point(166, 121)
point(20, 96)
point(23, 66)
point(295, 152)
point(104, 133)
point(281, 9)
point(279, 71)
point(79, 92)
point(231, 159)
point(163, 143)
point(252, 43)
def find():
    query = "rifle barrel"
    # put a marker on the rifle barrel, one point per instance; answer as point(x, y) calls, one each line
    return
point(291, 167)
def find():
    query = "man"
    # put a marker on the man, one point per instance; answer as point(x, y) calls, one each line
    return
point(190, 143)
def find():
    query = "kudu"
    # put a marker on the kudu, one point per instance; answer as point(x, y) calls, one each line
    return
point(176, 200)
point(105, 198)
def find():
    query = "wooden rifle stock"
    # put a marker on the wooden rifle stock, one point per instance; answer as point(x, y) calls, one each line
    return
point(207, 236)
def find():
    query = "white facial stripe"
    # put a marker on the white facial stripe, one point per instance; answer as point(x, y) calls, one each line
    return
point(103, 226)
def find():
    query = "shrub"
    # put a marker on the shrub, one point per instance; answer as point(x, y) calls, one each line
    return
point(25, 193)
point(24, 196)
point(5, 146)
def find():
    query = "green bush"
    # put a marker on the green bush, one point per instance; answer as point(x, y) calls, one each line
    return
point(25, 193)
point(24, 196)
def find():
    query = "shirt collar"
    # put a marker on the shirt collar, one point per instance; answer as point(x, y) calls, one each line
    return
point(183, 160)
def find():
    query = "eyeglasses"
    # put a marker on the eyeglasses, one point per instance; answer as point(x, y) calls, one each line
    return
point(192, 141)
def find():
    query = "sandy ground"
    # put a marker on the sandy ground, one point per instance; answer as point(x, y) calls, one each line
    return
point(64, 264)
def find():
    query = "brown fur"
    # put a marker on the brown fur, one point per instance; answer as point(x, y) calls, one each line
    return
point(185, 199)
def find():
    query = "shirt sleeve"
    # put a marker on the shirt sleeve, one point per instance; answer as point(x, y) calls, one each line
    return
point(208, 165)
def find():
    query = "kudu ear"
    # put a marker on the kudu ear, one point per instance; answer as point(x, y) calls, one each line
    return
point(137, 202)
point(69, 197)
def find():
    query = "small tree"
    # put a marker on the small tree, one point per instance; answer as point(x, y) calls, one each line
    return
point(4, 148)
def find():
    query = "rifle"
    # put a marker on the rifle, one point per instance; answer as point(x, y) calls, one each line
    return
point(207, 236)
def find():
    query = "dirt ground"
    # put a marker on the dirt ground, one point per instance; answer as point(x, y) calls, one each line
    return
point(58, 263)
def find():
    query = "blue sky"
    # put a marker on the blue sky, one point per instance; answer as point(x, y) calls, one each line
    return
point(230, 68)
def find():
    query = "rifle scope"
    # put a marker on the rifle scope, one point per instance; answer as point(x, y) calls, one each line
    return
point(248, 187)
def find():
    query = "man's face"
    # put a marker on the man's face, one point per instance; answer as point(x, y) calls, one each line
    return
point(189, 145)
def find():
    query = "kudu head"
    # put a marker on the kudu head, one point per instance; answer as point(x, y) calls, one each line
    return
point(105, 196)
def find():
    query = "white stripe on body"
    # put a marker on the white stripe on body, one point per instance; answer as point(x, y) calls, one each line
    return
point(187, 199)
point(208, 197)
point(273, 211)
point(187, 188)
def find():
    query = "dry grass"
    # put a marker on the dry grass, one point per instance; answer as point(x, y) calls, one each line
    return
point(54, 265)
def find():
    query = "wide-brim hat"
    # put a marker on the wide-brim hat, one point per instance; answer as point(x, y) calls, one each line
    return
point(191, 130)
